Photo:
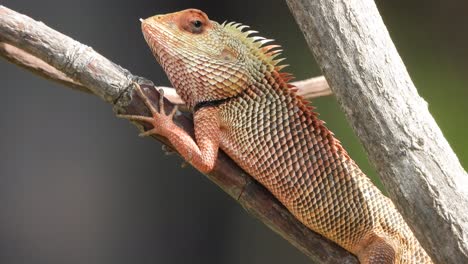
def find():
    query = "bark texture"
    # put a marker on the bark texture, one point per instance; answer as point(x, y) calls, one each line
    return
point(416, 164)
point(80, 65)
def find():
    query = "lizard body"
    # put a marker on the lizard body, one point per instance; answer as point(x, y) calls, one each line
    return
point(242, 103)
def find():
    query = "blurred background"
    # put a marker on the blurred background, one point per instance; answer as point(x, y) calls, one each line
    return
point(78, 186)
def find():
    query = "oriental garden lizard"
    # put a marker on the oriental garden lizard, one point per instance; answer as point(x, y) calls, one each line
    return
point(243, 104)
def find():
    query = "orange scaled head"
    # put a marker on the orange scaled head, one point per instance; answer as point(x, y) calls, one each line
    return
point(202, 59)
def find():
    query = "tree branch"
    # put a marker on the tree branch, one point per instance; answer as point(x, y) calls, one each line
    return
point(81, 67)
point(416, 164)
point(29, 62)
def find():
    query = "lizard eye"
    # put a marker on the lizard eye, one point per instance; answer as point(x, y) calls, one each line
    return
point(196, 26)
point(197, 23)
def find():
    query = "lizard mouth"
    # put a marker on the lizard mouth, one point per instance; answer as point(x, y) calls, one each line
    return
point(155, 39)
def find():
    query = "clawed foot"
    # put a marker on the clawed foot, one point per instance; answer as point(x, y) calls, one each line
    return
point(160, 120)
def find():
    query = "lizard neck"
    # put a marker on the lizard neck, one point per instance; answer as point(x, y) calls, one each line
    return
point(215, 102)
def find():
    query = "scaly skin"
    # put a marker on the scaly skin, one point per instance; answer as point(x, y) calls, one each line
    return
point(244, 105)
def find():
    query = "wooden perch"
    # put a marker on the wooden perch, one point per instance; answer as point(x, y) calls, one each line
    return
point(416, 164)
point(60, 58)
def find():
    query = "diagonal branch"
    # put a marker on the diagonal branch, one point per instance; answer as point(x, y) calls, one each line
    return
point(81, 67)
point(420, 171)
point(29, 62)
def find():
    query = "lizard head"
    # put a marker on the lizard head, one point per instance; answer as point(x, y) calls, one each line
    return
point(204, 60)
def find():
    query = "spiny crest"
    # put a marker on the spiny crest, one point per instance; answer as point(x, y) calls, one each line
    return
point(269, 53)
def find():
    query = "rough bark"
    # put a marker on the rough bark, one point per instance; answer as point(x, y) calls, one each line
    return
point(82, 66)
point(416, 164)
point(38, 66)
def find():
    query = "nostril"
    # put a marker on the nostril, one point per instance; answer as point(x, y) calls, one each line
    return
point(154, 18)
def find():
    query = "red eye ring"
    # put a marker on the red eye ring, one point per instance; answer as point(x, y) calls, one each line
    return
point(193, 21)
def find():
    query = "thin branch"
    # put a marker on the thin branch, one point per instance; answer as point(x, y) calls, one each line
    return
point(27, 61)
point(313, 87)
point(113, 84)
point(416, 164)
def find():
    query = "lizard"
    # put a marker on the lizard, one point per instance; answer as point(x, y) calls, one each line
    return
point(242, 103)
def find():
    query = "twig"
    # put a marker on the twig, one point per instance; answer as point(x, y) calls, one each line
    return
point(113, 83)
point(25, 60)
point(313, 87)
point(416, 164)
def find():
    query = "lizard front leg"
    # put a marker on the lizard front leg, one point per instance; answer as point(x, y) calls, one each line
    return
point(201, 152)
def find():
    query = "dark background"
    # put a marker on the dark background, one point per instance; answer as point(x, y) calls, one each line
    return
point(78, 186)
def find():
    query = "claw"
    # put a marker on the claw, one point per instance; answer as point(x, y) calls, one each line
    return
point(136, 118)
point(161, 100)
point(147, 133)
point(145, 99)
point(184, 164)
point(173, 112)
point(167, 150)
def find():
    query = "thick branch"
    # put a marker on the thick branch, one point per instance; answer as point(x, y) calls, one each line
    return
point(416, 164)
point(113, 83)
